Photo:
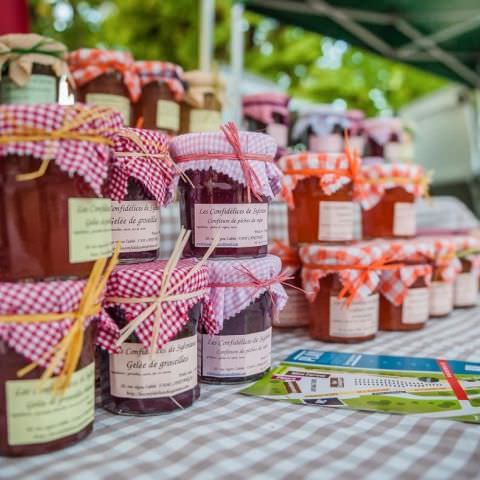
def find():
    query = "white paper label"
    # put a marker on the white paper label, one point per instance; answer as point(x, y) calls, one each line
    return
point(240, 225)
point(441, 298)
point(39, 89)
point(404, 219)
point(335, 221)
point(205, 120)
point(135, 373)
point(466, 289)
point(396, 152)
point(235, 355)
point(326, 143)
point(168, 115)
point(279, 132)
point(137, 225)
point(415, 306)
point(116, 102)
point(360, 319)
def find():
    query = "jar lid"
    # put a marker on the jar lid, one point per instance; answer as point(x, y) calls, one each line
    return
point(168, 73)
point(86, 64)
point(21, 50)
point(262, 107)
point(236, 284)
point(214, 150)
point(75, 137)
point(202, 83)
point(143, 155)
point(136, 289)
point(381, 128)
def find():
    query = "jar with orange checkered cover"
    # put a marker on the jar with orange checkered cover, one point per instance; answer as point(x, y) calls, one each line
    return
point(318, 190)
point(341, 283)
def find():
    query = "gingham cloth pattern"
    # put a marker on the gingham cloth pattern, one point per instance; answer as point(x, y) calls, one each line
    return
point(86, 64)
point(144, 280)
point(328, 182)
point(373, 180)
point(168, 73)
point(87, 159)
point(156, 174)
point(35, 340)
point(229, 301)
point(320, 120)
point(383, 128)
point(215, 142)
point(445, 260)
point(340, 255)
point(262, 106)
point(470, 243)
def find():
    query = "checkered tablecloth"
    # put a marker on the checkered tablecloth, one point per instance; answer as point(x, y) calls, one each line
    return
point(230, 436)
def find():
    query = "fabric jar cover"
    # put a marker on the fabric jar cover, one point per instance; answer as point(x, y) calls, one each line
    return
point(143, 281)
point(203, 83)
point(228, 301)
point(261, 107)
point(86, 64)
point(381, 129)
point(289, 257)
point(373, 180)
point(212, 143)
point(354, 121)
point(321, 120)
point(20, 51)
point(76, 138)
point(445, 260)
point(142, 155)
point(168, 73)
point(334, 170)
point(468, 248)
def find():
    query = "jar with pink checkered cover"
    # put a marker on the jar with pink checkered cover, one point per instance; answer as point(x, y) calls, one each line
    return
point(138, 378)
point(318, 190)
point(387, 194)
point(54, 161)
point(106, 78)
point(341, 283)
point(387, 139)
point(231, 181)
point(158, 107)
point(245, 296)
point(140, 181)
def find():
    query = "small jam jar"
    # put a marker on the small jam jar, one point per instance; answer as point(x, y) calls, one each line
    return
point(106, 78)
point(201, 109)
point(318, 190)
point(33, 418)
point(267, 112)
point(140, 181)
point(330, 272)
point(245, 295)
point(387, 194)
point(355, 131)
point(214, 196)
point(384, 137)
point(162, 91)
point(32, 67)
point(55, 222)
point(135, 381)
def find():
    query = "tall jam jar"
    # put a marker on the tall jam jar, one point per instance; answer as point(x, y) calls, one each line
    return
point(106, 78)
point(318, 189)
point(31, 68)
point(245, 296)
point(55, 222)
point(158, 107)
point(141, 181)
point(229, 181)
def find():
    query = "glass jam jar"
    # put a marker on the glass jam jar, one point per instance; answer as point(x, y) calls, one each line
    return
point(384, 137)
point(32, 67)
point(245, 296)
point(201, 109)
point(355, 131)
point(105, 78)
point(53, 223)
point(158, 107)
point(216, 198)
point(318, 190)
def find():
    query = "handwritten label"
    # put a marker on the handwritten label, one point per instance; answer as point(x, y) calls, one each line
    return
point(332, 143)
point(235, 355)
point(240, 225)
point(279, 132)
point(115, 102)
point(335, 221)
point(90, 229)
point(415, 306)
point(137, 225)
point(441, 298)
point(36, 415)
point(134, 373)
point(168, 115)
point(39, 89)
point(205, 120)
point(404, 219)
point(466, 289)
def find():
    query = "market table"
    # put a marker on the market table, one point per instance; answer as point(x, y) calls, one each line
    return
point(227, 435)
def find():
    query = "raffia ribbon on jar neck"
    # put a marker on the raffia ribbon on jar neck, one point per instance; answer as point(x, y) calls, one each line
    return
point(68, 131)
point(167, 291)
point(21, 51)
point(67, 352)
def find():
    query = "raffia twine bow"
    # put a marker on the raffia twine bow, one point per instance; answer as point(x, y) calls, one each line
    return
point(67, 352)
point(167, 291)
